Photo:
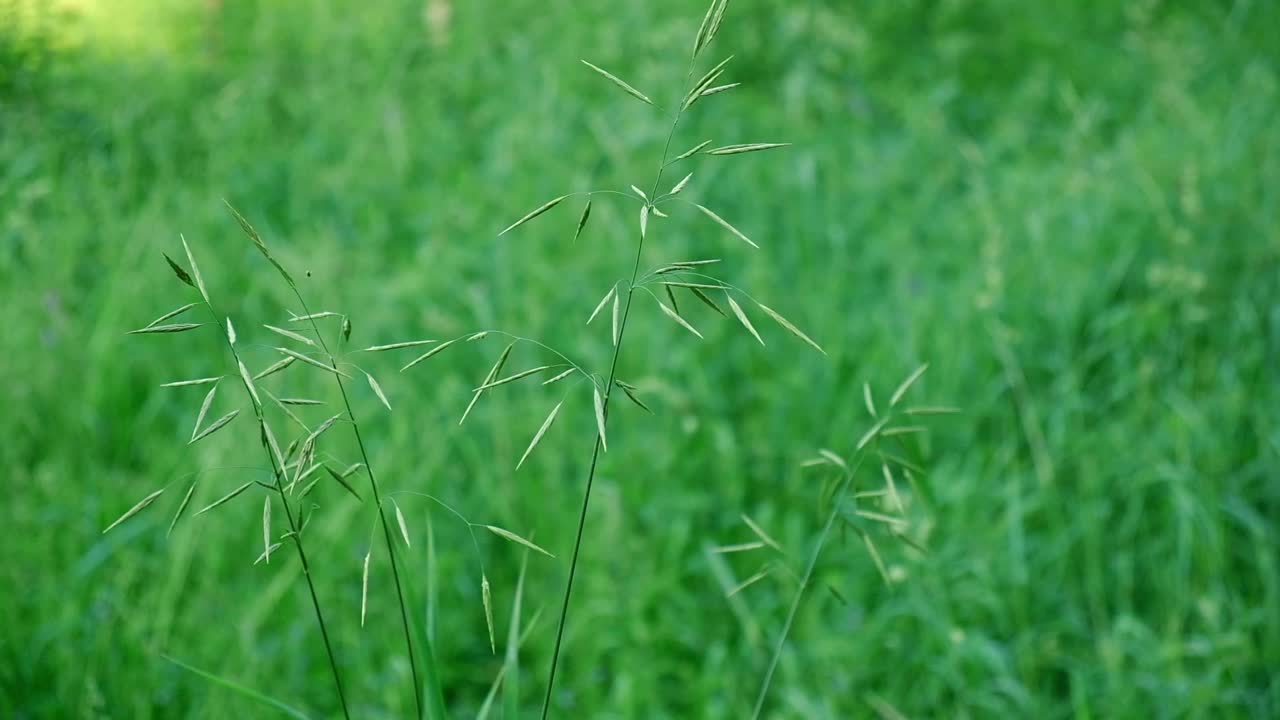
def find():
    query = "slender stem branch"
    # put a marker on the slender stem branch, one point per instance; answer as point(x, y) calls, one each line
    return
point(377, 499)
point(608, 393)
point(586, 495)
point(836, 501)
point(294, 530)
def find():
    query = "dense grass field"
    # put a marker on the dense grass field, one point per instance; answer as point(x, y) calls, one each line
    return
point(1071, 211)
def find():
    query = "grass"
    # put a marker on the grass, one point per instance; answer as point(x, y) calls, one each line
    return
point(1072, 220)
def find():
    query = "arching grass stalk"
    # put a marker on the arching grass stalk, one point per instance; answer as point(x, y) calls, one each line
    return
point(295, 532)
point(604, 410)
point(680, 276)
point(890, 514)
point(331, 359)
point(269, 444)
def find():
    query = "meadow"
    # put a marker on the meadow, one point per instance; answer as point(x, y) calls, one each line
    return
point(1070, 212)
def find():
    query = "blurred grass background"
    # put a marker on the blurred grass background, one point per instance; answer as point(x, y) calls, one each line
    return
point(1070, 211)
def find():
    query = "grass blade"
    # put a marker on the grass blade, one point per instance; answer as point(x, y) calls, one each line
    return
point(599, 405)
point(906, 384)
point(672, 297)
point(493, 373)
point(790, 328)
point(364, 587)
point(377, 390)
point(690, 152)
point(257, 241)
point(742, 318)
point(225, 498)
point(725, 224)
point(182, 507)
point(177, 270)
point(932, 410)
point(171, 314)
point(197, 381)
point(240, 689)
point(204, 410)
point(428, 354)
point(706, 299)
point(488, 611)
point(745, 148)
point(215, 426)
point(582, 222)
point(142, 505)
point(397, 346)
point(740, 547)
point(535, 213)
point(404, 527)
point(629, 391)
point(869, 435)
point(507, 534)
point(171, 328)
point(298, 337)
point(717, 89)
point(264, 555)
point(511, 664)
point(892, 487)
point(760, 533)
point(603, 301)
point(342, 480)
point(676, 316)
point(512, 378)
point(266, 529)
point(537, 437)
point(750, 581)
point(680, 185)
point(195, 270)
point(313, 362)
point(275, 367)
point(561, 376)
point(313, 316)
point(248, 384)
point(833, 458)
point(616, 304)
point(620, 83)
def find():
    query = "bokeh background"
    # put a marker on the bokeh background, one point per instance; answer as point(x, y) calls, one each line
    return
point(1071, 211)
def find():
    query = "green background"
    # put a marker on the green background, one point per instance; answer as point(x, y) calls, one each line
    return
point(1069, 210)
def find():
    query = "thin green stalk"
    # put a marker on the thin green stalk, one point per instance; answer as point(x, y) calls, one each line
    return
point(364, 454)
point(377, 498)
point(608, 393)
point(294, 532)
point(836, 501)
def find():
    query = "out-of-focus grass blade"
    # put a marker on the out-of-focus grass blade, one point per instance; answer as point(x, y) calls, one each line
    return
point(243, 691)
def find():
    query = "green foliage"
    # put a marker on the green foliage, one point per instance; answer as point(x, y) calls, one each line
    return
point(1069, 212)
